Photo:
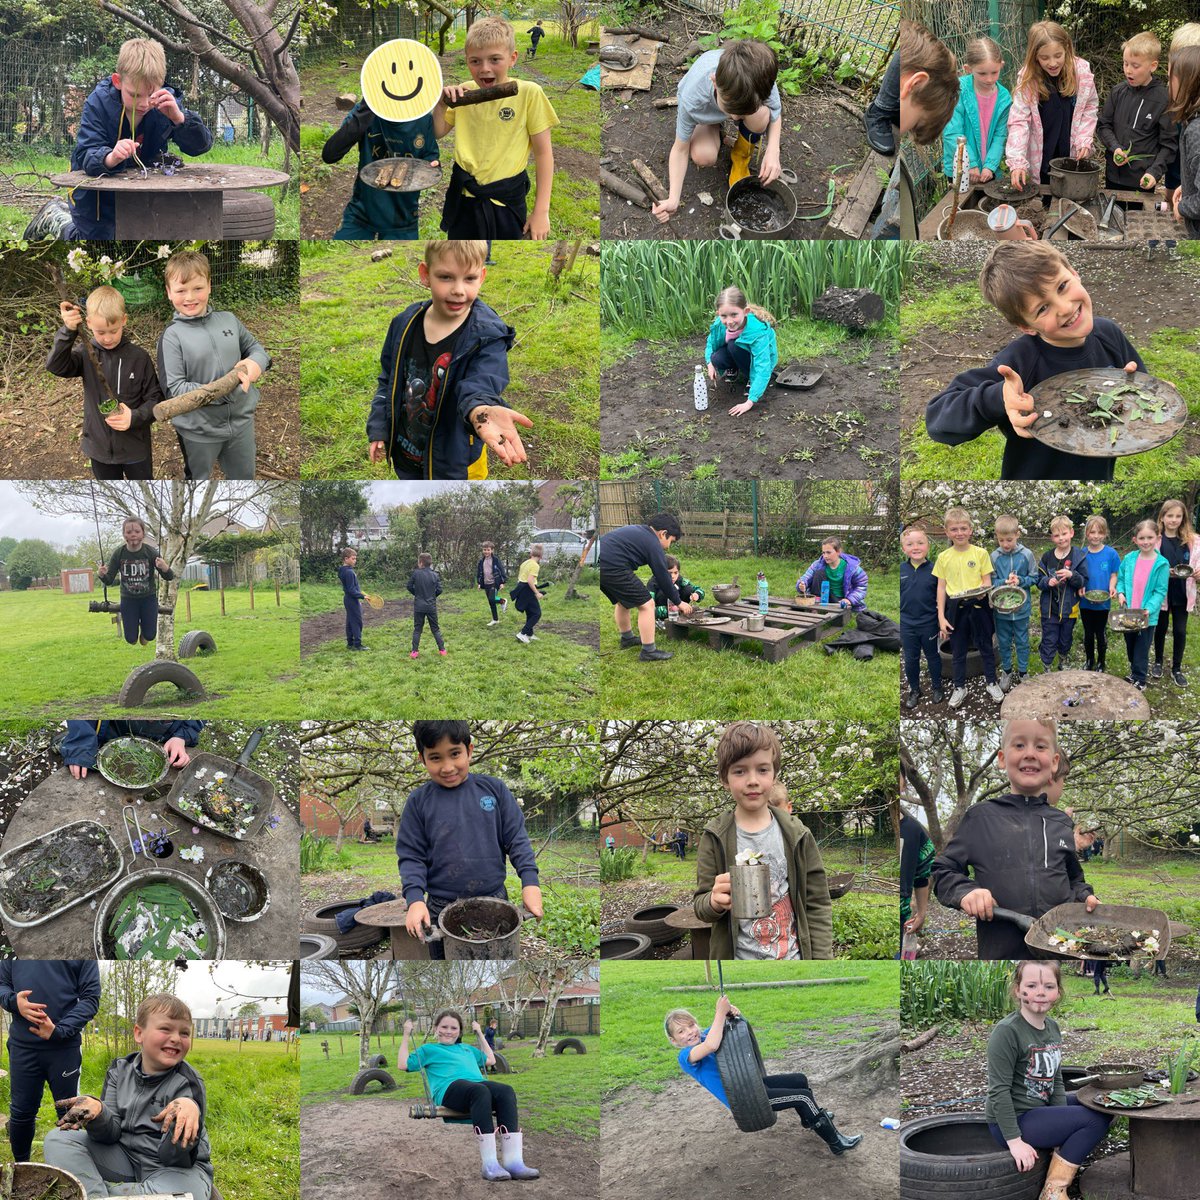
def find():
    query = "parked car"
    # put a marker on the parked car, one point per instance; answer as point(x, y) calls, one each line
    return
point(566, 542)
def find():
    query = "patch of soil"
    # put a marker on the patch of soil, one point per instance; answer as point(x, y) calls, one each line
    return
point(579, 632)
point(647, 405)
point(422, 1160)
point(817, 135)
point(622, 898)
point(1141, 297)
point(696, 1148)
point(331, 626)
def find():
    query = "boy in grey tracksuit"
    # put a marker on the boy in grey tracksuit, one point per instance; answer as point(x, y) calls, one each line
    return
point(117, 1139)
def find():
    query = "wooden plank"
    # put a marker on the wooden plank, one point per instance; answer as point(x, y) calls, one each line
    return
point(852, 214)
point(638, 79)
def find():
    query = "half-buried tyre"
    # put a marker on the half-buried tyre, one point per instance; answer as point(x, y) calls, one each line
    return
point(358, 1085)
point(740, 1066)
point(956, 1156)
point(377, 1060)
point(361, 937)
point(501, 1067)
point(570, 1044)
point(651, 922)
point(625, 945)
point(198, 641)
point(317, 945)
point(141, 679)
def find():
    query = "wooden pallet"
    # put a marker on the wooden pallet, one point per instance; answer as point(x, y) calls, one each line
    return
point(855, 209)
point(788, 628)
point(642, 75)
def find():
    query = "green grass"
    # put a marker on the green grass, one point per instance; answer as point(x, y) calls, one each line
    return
point(702, 683)
point(552, 677)
point(252, 1119)
point(556, 1094)
point(287, 207)
point(58, 655)
point(1172, 885)
point(1143, 1018)
point(637, 1053)
point(348, 303)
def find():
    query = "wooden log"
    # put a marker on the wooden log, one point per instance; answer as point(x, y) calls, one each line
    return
point(649, 179)
point(111, 606)
point(772, 983)
point(620, 188)
point(501, 91)
point(666, 102)
point(689, 51)
point(855, 308)
point(164, 410)
point(642, 32)
point(346, 101)
point(922, 1039)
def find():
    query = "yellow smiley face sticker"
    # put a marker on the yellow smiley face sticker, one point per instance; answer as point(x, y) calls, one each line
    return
point(401, 80)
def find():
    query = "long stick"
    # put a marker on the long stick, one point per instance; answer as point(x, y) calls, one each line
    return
point(641, 31)
point(619, 187)
point(649, 179)
point(499, 91)
point(64, 294)
point(164, 410)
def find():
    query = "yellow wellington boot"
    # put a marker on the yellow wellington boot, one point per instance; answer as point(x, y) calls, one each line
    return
point(740, 155)
point(1058, 1179)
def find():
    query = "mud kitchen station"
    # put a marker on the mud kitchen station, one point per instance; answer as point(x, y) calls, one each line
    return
point(90, 868)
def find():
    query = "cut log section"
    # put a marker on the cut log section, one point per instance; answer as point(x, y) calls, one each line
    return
point(855, 308)
point(643, 32)
point(501, 91)
point(619, 187)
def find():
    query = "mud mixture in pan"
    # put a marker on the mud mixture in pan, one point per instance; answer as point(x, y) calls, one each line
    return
point(235, 895)
point(60, 868)
point(758, 209)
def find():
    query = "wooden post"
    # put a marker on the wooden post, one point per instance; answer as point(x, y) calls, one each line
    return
point(251, 595)
point(187, 597)
point(277, 593)
point(222, 599)
point(341, 1048)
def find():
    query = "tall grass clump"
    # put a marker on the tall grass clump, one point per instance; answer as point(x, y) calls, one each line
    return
point(940, 990)
point(666, 289)
point(619, 864)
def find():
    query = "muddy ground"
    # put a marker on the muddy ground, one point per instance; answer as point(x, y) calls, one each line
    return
point(41, 415)
point(682, 1142)
point(844, 428)
point(1142, 297)
point(371, 1150)
point(817, 135)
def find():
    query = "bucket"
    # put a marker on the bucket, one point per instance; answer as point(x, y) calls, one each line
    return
point(1075, 178)
point(480, 927)
point(762, 210)
point(750, 891)
point(755, 624)
point(41, 1179)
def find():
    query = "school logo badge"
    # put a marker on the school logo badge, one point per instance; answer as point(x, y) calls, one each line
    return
point(507, 114)
point(487, 803)
point(419, 142)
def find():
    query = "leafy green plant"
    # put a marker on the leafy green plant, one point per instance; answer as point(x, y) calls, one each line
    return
point(620, 863)
point(941, 990)
point(1180, 1063)
point(868, 929)
point(316, 853)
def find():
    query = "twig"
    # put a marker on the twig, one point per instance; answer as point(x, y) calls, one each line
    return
point(85, 339)
point(940, 354)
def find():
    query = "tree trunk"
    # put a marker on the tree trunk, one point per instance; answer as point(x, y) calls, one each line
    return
point(571, 593)
point(164, 410)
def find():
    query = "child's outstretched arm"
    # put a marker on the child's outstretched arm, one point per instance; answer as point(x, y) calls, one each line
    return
point(66, 359)
point(978, 400)
point(952, 885)
point(677, 165)
point(716, 1033)
point(351, 131)
point(402, 1056)
point(537, 225)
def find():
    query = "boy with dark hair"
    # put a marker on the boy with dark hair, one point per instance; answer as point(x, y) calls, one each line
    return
point(51, 1003)
point(687, 590)
point(438, 405)
point(456, 831)
point(491, 576)
point(1035, 287)
point(425, 584)
point(352, 598)
point(621, 552)
point(843, 572)
point(535, 35)
point(801, 921)
point(146, 1134)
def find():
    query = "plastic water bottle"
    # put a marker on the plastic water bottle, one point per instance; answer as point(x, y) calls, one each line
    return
point(890, 1123)
point(763, 594)
point(700, 390)
point(824, 591)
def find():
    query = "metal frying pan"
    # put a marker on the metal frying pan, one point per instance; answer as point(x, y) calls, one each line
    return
point(1112, 1076)
point(1120, 918)
point(247, 783)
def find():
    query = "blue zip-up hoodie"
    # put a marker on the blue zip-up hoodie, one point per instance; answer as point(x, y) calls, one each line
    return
point(918, 597)
point(758, 339)
point(1058, 599)
point(69, 988)
point(452, 842)
point(84, 738)
point(1019, 562)
point(499, 574)
point(1156, 585)
point(478, 374)
point(634, 546)
point(965, 121)
point(103, 124)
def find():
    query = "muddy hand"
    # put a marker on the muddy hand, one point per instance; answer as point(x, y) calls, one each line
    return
point(184, 1115)
point(1018, 403)
point(376, 452)
point(80, 1110)
point(416, 920)
point(497, 427)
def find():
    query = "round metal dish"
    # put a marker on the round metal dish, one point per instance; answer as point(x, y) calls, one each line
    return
point(700, 619)
point(617, 57)
point(401, 174)
point(1106, 1101)
point(1129, 620)
point(1065, 429)
point(239, 889)
point(1181, 571)
point(998, 189)
point(1007, 597)
point(107, 749)
point(200, 900)
point(969, 594)
point(1097, 596)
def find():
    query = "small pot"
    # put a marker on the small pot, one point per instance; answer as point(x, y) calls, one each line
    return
point(755, 623)
point(750, 891)
point(970, 225)
point(1075, 178)
point(239, 889)
point(733, 232)
point(1112, 1076)
point(726, 593)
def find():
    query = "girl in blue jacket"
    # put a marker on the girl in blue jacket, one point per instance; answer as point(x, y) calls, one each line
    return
point(1142, 583)
point(741, 342)
point(981, 114)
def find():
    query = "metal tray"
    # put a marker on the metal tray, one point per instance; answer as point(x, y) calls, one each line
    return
point(408, 174)
point(702, 620)
point(969, 594)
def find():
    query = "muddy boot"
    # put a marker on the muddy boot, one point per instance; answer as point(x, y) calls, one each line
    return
point(510, 1156)
point(878, 127)
point(629, 640)
point(491, 1170)
point(740, 166)
point(825, 1129)
point(651, 653)
point(1058, 1179)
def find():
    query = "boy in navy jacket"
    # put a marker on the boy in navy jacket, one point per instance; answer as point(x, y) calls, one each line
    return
point(128, 119)
point(51, 1003)
point(437, 406)
point(1062, 575)
point(425, 584)
point(352, 598)
point(491, 576)
point(456, 831)
point(84, 738)
point(1036, 289)
point(621, 552)
point(918, 616)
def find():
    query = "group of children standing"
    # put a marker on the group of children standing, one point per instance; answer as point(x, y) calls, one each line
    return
point(943, 601)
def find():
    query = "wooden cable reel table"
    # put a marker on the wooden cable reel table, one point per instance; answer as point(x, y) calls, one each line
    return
point(1075, 696)
point(788, 627)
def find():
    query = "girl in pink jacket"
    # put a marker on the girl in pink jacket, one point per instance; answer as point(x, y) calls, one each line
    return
point(1054, 108)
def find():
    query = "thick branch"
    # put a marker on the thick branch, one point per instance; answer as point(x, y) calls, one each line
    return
point(164, 410)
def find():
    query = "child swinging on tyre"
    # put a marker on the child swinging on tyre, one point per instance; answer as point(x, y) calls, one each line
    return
point(697, 1058)
point(133, 565)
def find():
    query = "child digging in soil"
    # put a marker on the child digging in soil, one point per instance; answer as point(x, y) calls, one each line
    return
point(118, 441)
point(736, 81)
point(800, 923)
point(425, 584)
point(697, 1058)
point(438, 405)
point(843, 572)
point(1028, 1109)
point(455, 1075)
point(1020, 851)
point(1142, 583)
point(1035, 287)
point(146, 1133)
point(526, 597)
point(134, 564)
point(456, 831)
point(352, 598)
point(918, 616)
point(741, 343)
point(1180, 546)
point(491, 576)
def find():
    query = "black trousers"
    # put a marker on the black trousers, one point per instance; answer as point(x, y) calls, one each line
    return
point(133, 470)
point(480, 1098)
point(30, 1069)
point(419, 620)
point(792, 1091)
point(353, 621)
point(1178, 616)
point(1095, 633)
point(489, 590)
point(139, 614)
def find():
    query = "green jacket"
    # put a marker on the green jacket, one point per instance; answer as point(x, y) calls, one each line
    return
point(806, 885)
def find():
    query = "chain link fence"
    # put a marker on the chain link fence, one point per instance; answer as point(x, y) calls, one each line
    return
point(354, 32)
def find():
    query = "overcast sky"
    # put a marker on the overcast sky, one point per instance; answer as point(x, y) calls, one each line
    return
point(198, 990)
point(402, 492)
point(19, 519)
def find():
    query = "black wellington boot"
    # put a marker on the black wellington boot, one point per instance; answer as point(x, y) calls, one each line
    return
point(825, 1129)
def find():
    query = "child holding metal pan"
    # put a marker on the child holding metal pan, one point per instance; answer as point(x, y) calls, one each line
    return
point(1142, 584)
point(1180, 546)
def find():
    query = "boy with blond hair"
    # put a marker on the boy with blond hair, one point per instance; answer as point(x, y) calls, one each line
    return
point(438, 406)
point(1062, 575)
point(1035, 287)
point(919, 616)
point(198, 346)
point(965, 620)
point(118, 441)
point(488, 186)
point(1139, 135)
point(1013, 564)
point(128, 121)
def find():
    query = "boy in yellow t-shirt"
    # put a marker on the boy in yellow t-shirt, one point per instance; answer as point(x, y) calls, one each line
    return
point(486, 195)
point(962, 568)
point(526, 596)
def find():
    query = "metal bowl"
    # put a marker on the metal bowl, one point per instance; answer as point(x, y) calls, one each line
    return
point(239, 889)
point(1129, 620)
point(727, 593)
point(1097, 595)
point(1007, 597)
point(1181, 571)
point(107, 749)
point(201, 901)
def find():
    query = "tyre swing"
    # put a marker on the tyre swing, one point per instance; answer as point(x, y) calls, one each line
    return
point(740, 1065)
point(427, 1110)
